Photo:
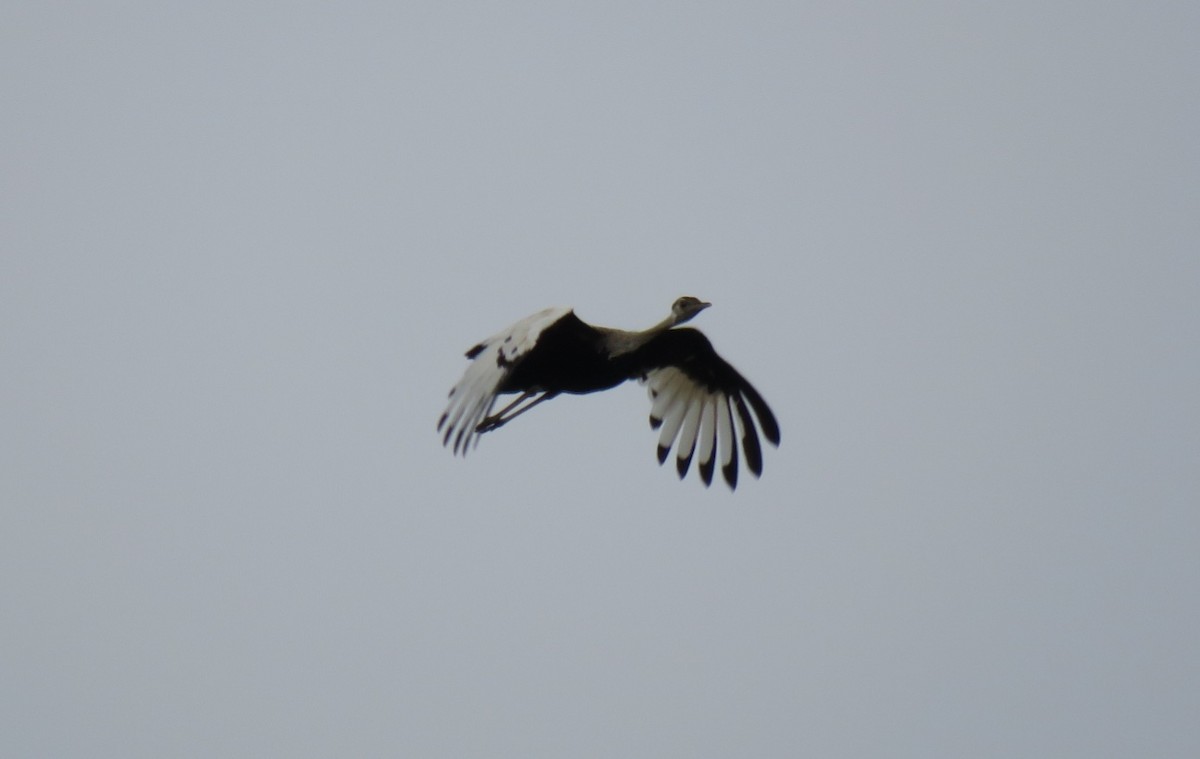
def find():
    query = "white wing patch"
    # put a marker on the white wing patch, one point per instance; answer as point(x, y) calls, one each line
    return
point(471, 400)
point(699, 421)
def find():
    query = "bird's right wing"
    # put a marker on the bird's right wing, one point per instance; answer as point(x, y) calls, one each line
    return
point(695, 398)
point(492, 360)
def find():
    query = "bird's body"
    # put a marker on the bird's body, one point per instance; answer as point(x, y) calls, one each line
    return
point(695, 393)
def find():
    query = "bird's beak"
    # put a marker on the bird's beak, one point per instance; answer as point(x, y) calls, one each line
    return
point(703, 305)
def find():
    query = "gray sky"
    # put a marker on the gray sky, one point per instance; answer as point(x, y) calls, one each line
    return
point(955, 245)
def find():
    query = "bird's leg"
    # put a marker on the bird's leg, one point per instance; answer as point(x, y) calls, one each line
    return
point(499, 419)
point(493, 421)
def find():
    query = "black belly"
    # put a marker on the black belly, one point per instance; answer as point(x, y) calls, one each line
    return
point(570, 369)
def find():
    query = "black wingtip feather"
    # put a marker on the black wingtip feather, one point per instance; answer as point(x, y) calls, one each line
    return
point(750, 442)
point(706, 471)
point(663, 452)
point(681, 465)
point(655, 422)
point(442, 421)
point(729, 471)
point(770, 427)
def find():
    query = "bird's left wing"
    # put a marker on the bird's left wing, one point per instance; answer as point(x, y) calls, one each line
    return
point(492, 361)
point(696, 396)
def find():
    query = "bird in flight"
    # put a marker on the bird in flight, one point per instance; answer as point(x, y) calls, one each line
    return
point(695, 395)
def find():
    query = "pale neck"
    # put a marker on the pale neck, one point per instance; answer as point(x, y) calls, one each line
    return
point(620, 341)
point(662, 326)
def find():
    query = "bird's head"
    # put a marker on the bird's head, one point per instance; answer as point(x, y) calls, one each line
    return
point(685, 308)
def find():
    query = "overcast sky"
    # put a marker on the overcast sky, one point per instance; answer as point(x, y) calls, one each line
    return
point(243, 247)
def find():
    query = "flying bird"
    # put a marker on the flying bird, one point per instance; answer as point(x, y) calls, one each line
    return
point(695, 395)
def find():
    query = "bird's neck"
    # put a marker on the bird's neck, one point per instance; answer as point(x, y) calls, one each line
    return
point(620, 342)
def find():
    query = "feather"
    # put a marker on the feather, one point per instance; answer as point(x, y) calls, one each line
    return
point(729, 455)
point(708, 437)
point(749, 437)
point(770, 427)
point(671, 426)
point(667, 390)
point(687, 436)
